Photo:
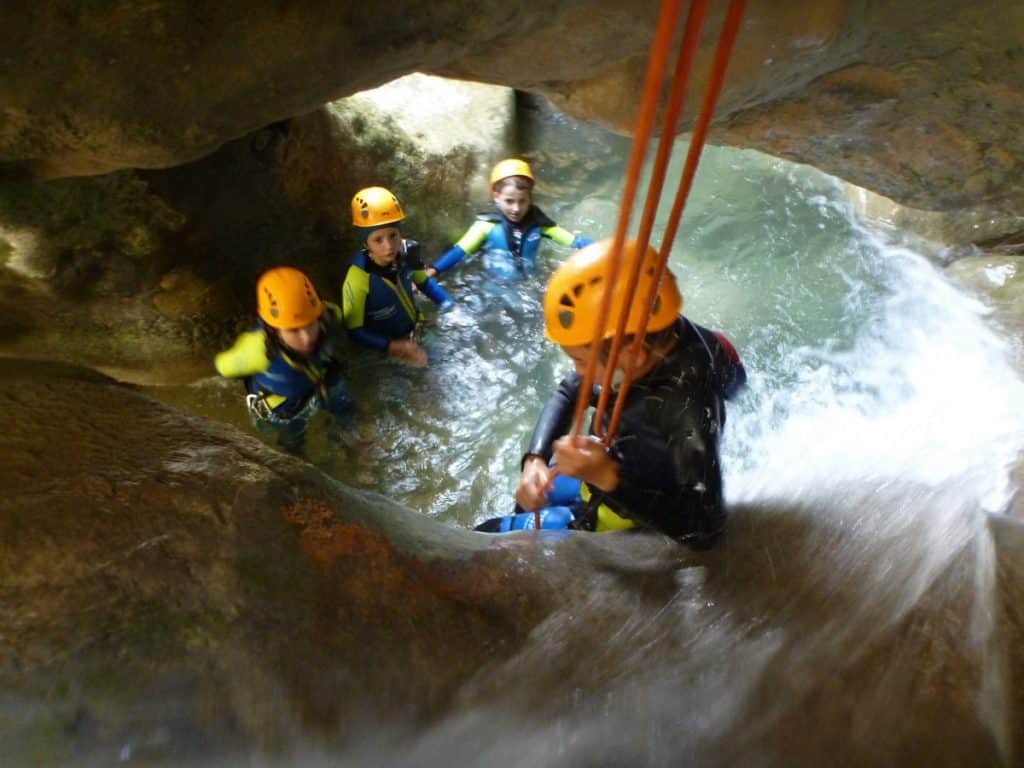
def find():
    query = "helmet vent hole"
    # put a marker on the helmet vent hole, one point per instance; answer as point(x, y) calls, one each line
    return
point(577, 290)
point(566, 301)
point(565, 318)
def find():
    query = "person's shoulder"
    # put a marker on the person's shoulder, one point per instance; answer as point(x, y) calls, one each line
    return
point(246, 356)
point(357, 278)
point(359, 259)
point(489, 217)
point(252, 335)
point(722, 358)
point(698, 332)
point(718, 342)
point(695, 346)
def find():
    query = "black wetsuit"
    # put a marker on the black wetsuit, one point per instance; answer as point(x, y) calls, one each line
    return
point(667, 438)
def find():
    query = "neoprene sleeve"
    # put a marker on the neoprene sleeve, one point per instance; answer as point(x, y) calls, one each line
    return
point(449, 258)
point(433, 291)
point(555, 418)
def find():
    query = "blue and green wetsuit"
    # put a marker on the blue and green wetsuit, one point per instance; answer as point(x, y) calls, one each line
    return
point(284, 388)
point(378, 302)
point(510, 248)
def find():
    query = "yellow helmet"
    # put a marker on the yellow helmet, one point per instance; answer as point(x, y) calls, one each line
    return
point(373, 208)
point(573, 297)
point(285, 298)
point(510, 167)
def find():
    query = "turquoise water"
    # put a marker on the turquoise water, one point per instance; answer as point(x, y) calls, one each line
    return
point(851, 337)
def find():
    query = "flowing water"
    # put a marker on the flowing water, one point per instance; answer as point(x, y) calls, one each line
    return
point(866, 365)
point(858, 587)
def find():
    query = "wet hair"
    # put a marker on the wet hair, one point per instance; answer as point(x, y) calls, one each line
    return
point(520, 182)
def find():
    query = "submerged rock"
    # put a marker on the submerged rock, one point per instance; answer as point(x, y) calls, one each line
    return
point(174, 591)
point(166, 575)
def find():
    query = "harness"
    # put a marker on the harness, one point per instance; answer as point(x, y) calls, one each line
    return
point(266, 404)
point(259, 408)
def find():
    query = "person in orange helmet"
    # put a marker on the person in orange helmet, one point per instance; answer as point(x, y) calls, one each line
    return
point(288, 362)
point(661, 470)
point(510, 235)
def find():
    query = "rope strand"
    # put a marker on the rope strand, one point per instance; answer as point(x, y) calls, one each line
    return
point(727, 37)
point(684, 62)
point(653, 85)
point(663, 34)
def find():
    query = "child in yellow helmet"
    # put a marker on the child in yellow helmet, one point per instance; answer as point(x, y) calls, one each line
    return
point(287, 361)
point(378, 302)
point(662, 469)
point(510, 235)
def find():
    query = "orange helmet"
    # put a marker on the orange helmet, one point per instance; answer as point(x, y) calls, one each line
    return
point(285, 298)
point(573, 296)
point(510, 167)
point(373, 208)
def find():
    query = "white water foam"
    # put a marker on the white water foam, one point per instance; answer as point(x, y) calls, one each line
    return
point(926, 395)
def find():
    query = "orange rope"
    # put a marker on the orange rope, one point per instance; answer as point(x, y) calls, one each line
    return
point(687, 50)
point(663, 33)
point(730, 28)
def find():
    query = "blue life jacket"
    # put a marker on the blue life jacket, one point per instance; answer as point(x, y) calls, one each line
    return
point(390, 309)
point(290, 378)
point(288, 381)
point(507, 256)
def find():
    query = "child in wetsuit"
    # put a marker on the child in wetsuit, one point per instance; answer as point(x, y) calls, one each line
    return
point(661, 470)
point(377, 296)
point(510, 235)
point(288, 360)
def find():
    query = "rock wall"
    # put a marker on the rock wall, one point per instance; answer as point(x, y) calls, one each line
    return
point(917, 101)
point(216, 593)
point(145, 274)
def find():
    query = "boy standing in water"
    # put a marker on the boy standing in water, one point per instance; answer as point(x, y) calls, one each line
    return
point(510, 235)
point(286, 361)
point(377, 297)
point(661, 470)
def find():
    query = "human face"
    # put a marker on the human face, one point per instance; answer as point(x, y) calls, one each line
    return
point(513, 203)
point(383, 245)
point(302, 340)
point(581, 355)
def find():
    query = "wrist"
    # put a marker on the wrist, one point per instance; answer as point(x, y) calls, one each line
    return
point(607, 477)
point(530, 458)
